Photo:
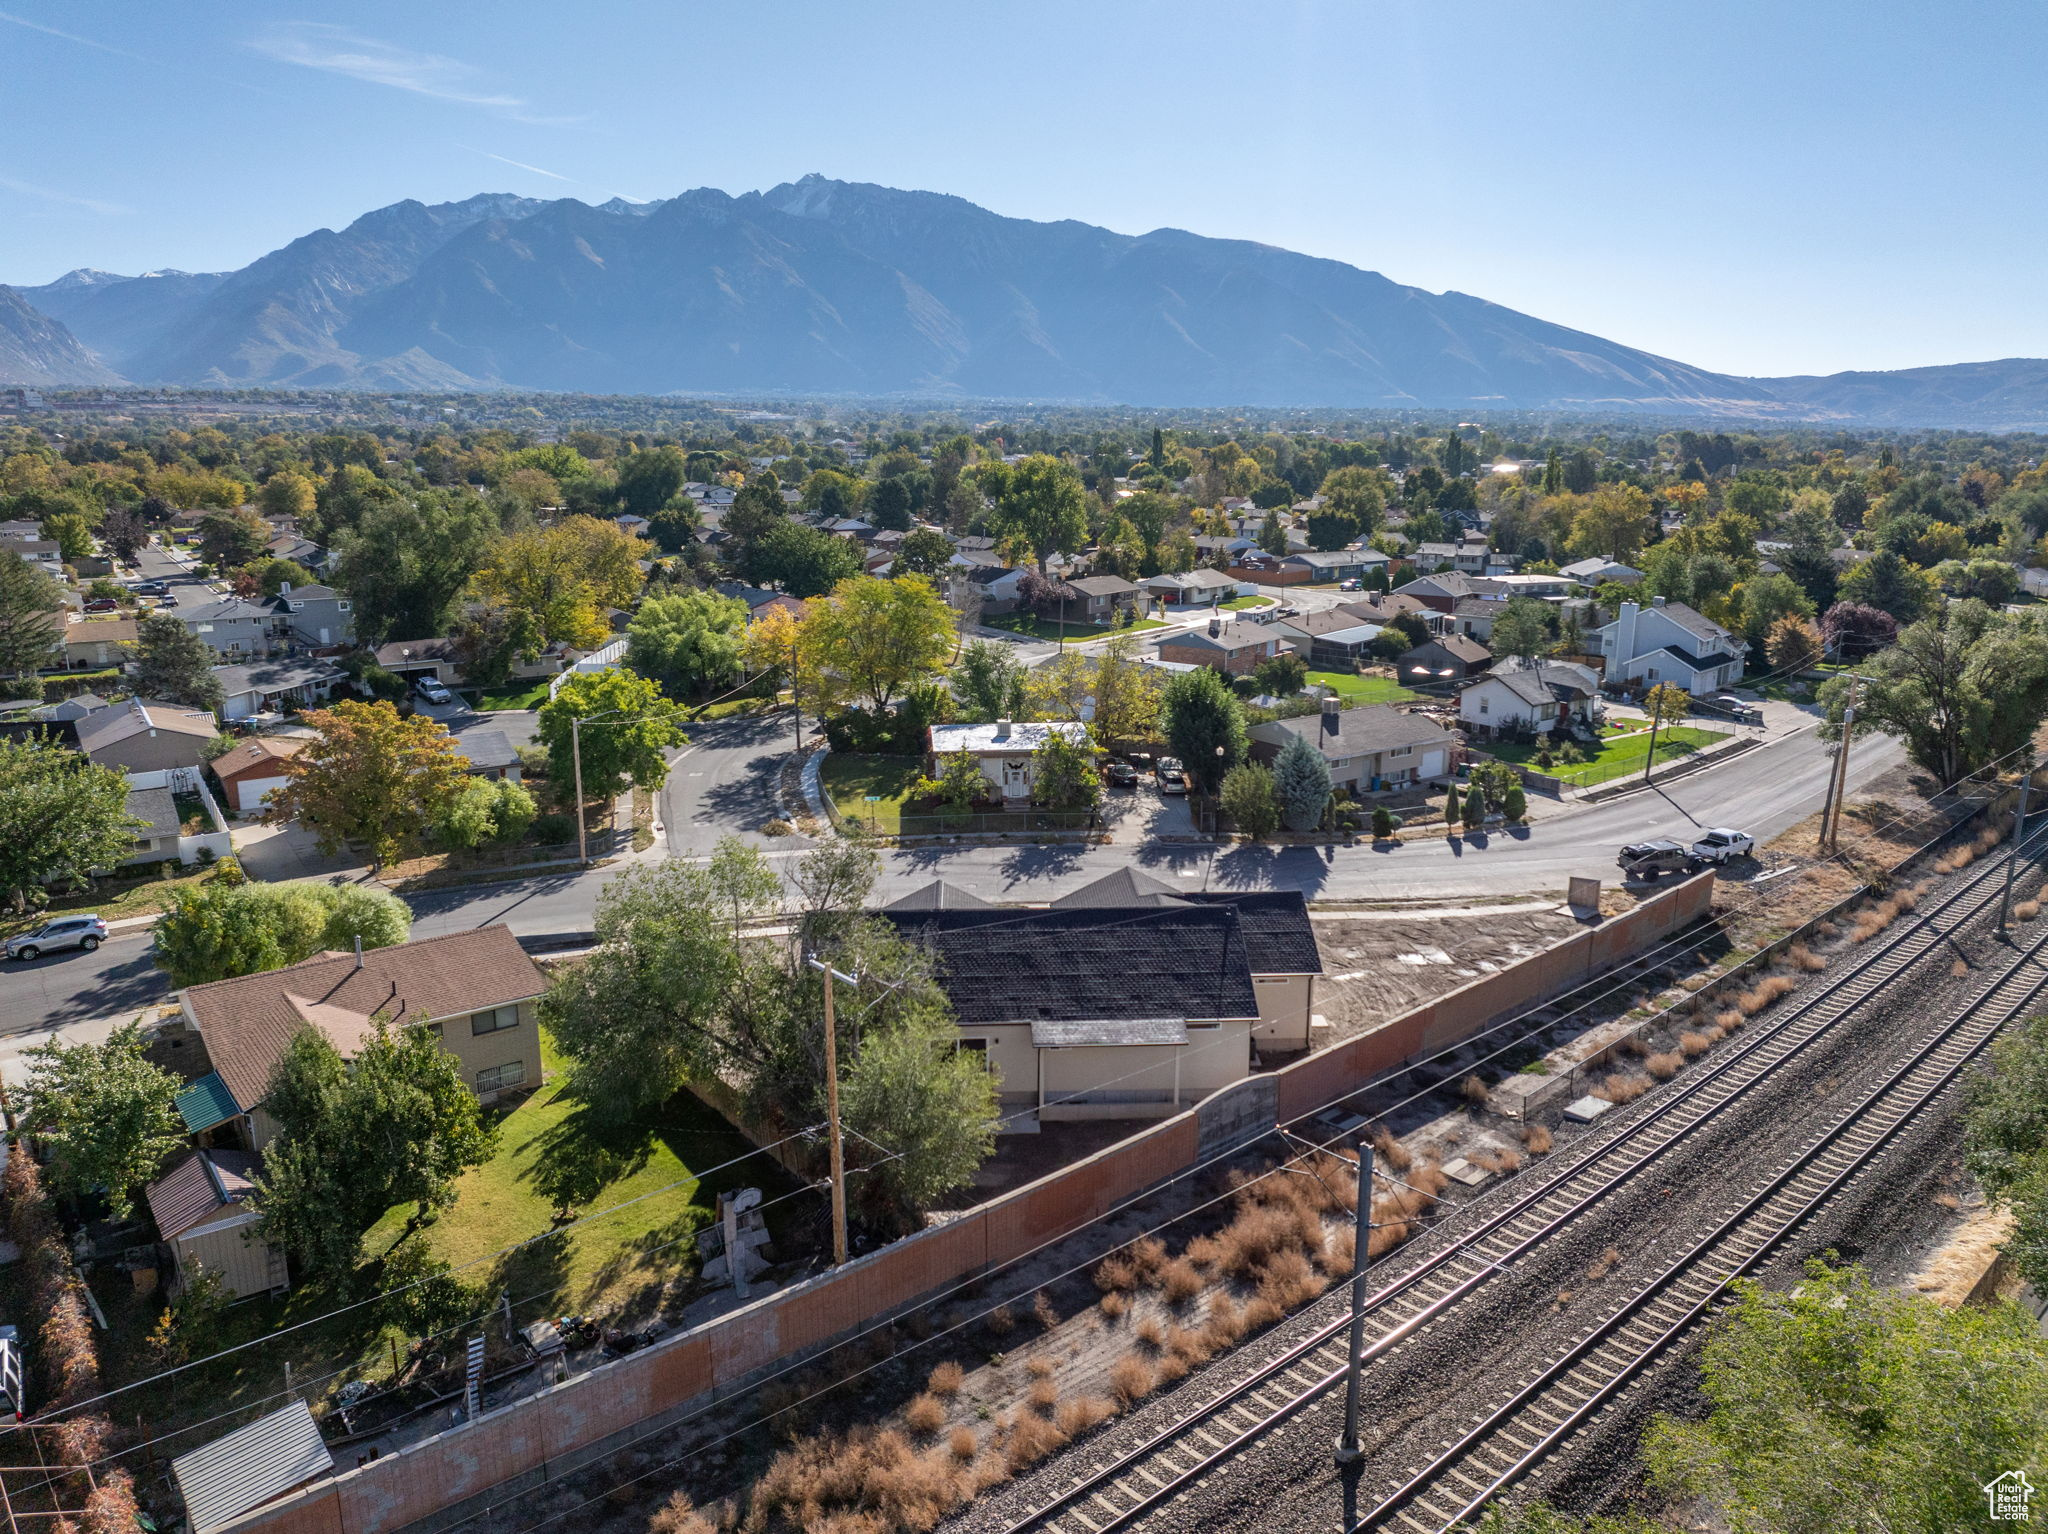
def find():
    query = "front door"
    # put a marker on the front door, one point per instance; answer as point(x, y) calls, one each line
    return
point(1016, 777)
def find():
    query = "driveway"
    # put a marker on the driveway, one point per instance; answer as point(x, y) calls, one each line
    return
point(723, 783)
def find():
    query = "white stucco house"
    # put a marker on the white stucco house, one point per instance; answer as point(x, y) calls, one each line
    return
point(1007, 750)
point(1539, 698)
point(1669, 642)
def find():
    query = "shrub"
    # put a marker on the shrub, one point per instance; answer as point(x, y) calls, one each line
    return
point(1030, 1438)
point(1391, 1151)
point(554, 830)
point(1179, 1281)
point(1537, 1138)
point(1083, 1413)
point(1289, 1280)
point(945, 1380)
point(1695, 1044)
point(1042, 1310)
point(1665, 1065)
point(925, 1414)
point(1622, 1087)
point(1115, 1303)
point(2027, 910)
point(1729, 1020)
point(1382, 823)
point(1805, 958)
point(1130, 1378)
point(961, 1443)
point(1151, 1332)
point(1763, 994)
point(679, 1515)
point(1224, 1324)
point(1044, 1394)
point(1001, 1321)
point(1116, 1272)
point(1473, 1088)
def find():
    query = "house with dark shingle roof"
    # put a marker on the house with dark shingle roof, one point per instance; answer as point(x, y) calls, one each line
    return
point(476, 991)
point(1124, 999)
point(1376, 749)
point(1103, 596)
point(1235, 647)
point(1542, 698)
point(1669, 642)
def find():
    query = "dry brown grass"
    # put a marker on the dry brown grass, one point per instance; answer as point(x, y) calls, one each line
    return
point(1391, 1150)
point(1473, 1089)
point(1179, 1282)
point(1147, 1257)
point(1116, 1274)
point(1693, 1045)
point(1665, 1065)
point(1729, 1019)
point(1604, 1264)
point(961, 1443)
point(1001, 1321)
point(1764, 993)
point(1115, 1303)
point(1250, 1240)
point(679, 1515)
point(945, 1380)
point(1043, 1395)
point(1622, 1087)
point(830, 1479)
point(1130, 1378)
point(1335, 1257)
point(1042, 1310)
point(1083, 1413)
point(1039, 1368)
point(1150, 1332)
point(1187, 1346)
point(1958, 968)
point(1537, 1138)
point(2027, 910)
point(1204, 1251)
point(1290, 1279)
point(1224, 1326)
point(1029, 1439)
point(925, 1414)
point(1805, 958)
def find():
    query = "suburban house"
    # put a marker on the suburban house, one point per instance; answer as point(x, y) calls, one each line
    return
point(1669, 642)
point(491, 742)
point(1441, 591)
point(155, 813)
point(1236, 647)
point(1454, 653)
point(1103, 597)
point(409, 658)
point(1550, 696)
point(300, 551)
point(205, 1215)
point(1302, 630)
point(160, 833)
point(250, 772)
point(475, 990)
point(2034, 581)
point(1236, 547)
point(1007, 750)
point(1370, 750)
point(231, 627)
point(997, 584)
point(1123, 1000)
point(1473, 617)
point(760, 601)
point(1340, 565)
point(317, 616)
point(1383, 608)
point(1597, 570)
point(267, 687)
point(1196, 588)
point(44, 554)
point(146, 737)
point(94, 644)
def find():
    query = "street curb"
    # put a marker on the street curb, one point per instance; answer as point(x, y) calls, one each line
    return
point(1684, 770)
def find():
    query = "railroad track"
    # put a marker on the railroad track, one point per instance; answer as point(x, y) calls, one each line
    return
point(1568, 1392)
point(1217, 1424)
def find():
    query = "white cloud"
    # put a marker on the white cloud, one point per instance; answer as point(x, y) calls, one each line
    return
point(316, 45)
point(93, 204)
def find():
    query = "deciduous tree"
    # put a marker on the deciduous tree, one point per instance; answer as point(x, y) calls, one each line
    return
point(988, 682)
point(174, 665)
point(1204, 724)
point(61, 816)
point(872, 639)
point(631, 725)
point(228, 539)
point(1039, 501)
point(1247, 798)
point(563, 578)
point(1793, 646)
point(104, 1114)
point(1064, 776)
point(372, 777)
point(688, 642)
point(405, 561)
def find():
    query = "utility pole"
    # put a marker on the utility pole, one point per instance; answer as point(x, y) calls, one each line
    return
point(1838, 773)
point(1656, 714)
point(1348, 1452)
point(832, 1112)
point(2019, 824)
point(576, 759)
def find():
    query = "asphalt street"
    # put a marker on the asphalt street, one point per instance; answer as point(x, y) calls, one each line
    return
point(724, 781)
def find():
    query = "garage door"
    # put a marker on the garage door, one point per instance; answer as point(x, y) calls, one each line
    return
point(252, 790)
point(1432, 763)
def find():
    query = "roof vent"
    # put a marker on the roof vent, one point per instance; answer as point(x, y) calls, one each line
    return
point(1002, 729)
point(1656, 601)
point(1215, 628)
point(1333, 709)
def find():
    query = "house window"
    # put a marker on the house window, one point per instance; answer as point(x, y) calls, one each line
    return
point(495, 1078)
point(1400, 751)
point(1485, 706)
point(1651, 673)
point(494, 1020)
point(974, 1049)
point(341, 607)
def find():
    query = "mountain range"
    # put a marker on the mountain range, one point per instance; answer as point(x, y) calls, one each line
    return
point(833, 287)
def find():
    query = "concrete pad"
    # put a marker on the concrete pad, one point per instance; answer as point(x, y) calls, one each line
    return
point(1463, 1171)
point(1586, 1109)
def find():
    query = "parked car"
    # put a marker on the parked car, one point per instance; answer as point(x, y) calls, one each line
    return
point(1354, 584)
point(429, 686)
point(1120, 774)
point(86, 932)
point(1173, 778)
point(1649, 860)
point(149, 588)
point(1721, 845)
point(1736, 708)
point(102, 605)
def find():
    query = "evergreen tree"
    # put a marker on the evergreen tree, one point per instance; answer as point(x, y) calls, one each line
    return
point(29, 602)
point(174, 665)
point(1301, 784)
point(1451, 806)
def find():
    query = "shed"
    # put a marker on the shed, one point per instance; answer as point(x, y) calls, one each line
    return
point(202, 1213)
point(259, 1463)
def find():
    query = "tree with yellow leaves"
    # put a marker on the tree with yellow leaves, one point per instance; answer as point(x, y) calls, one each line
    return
point(563, 578)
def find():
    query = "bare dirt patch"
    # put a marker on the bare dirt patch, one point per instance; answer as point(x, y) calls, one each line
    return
point(1376, 968)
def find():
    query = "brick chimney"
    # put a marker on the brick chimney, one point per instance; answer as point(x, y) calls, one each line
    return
point(1002, 729)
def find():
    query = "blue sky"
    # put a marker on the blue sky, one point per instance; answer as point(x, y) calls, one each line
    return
point(1758, 188)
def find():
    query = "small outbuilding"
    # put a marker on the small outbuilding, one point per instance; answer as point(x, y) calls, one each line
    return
point(255, 1464)
point(203, 1212)
point(254, 769)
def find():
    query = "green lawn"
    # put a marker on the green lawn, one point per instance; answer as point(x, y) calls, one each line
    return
point(513, 695)
point(1039, 628)
point(1622, 752)
point(1239, 604)
point(111, 899)
point(1353, 688)
point(850, 779)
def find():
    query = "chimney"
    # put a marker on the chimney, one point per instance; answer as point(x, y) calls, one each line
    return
point(1656, 601)
point(1625, 632)
point(1333, 712)
point(284, 588)
point(1215, 628)
point(1002, 729)
point(359, 950)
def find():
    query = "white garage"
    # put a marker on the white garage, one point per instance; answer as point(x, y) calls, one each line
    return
point(254, 769)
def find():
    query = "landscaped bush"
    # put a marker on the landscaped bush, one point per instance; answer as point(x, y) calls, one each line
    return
point(553, 830)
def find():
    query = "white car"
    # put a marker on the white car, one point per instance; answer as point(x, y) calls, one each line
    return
point(428, 686)
point(1721, 845)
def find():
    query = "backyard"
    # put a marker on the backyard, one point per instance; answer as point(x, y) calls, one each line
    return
point(1239, 604)
point(1035, 627)
point(1622, 750)
point(512, 696)
point(1355, 689)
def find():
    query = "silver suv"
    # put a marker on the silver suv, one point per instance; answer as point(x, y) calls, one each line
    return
point(86, 932)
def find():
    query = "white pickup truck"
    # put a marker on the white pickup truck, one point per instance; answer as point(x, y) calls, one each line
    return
point(1721, 845)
